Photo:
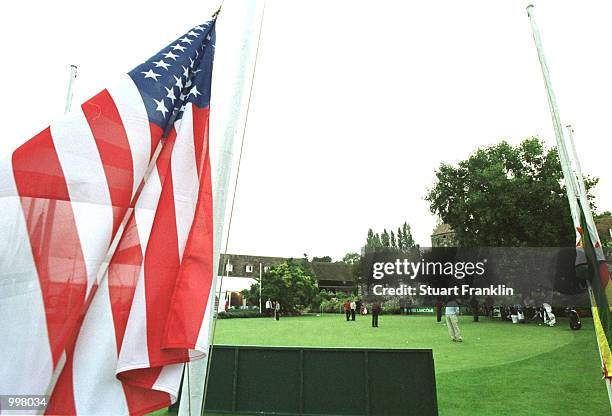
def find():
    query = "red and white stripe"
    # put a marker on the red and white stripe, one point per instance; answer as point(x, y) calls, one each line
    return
point(117, 333)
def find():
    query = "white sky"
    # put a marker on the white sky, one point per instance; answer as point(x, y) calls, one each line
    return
point(355, 103)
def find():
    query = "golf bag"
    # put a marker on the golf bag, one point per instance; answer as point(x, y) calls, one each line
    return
point(548, 315)
point(574, 319)
point(521, 316)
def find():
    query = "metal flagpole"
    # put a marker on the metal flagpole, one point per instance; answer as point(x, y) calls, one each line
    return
point(592, 230)
point(73, 75)
point(194, 380)
point(570, 180)
point(584, 201)
point(571, 184)
point(260, 286)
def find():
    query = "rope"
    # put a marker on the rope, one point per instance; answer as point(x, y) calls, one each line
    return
point(229, 225)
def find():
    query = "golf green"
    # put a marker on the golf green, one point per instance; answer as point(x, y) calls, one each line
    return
point(499, 369)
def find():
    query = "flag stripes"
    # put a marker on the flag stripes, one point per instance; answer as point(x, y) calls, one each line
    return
point(104, 296)
point(113, 147)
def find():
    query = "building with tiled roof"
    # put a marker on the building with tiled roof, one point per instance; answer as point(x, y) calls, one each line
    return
point(238, 272)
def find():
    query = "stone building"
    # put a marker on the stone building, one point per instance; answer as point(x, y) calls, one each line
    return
point(443, 236)
point(604, 228)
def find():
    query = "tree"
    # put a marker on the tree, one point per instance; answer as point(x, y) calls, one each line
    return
point(324, 259)
point(407, 241)
point(351, 258)
point(290, 282)
point(373, 240)
point(384, 238)
point(400, 238)
point(603, 222)
point(505, 196)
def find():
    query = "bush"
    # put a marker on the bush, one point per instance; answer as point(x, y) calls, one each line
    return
point(239, 313)
point(334, 305)
point(331, 306)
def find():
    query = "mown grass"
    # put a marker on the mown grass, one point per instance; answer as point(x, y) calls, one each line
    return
point(499, 369)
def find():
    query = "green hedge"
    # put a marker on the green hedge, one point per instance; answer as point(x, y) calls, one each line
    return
point(251, 313)
point(240, 313)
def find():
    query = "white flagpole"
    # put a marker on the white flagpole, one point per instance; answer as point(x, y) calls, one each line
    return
point(592, 230)
point(584, 201)
point(194, 379)
point(73, 75)
point(570, 179)
point(571, 184)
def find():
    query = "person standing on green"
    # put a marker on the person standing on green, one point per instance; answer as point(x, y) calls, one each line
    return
point(277, 310)
point(375, 312)
point(353, 310)
point(347, 309)
point(452, 323)
point(474, 306)
point(439, 306)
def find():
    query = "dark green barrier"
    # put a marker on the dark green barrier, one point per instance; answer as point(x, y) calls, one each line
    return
point(321, 381)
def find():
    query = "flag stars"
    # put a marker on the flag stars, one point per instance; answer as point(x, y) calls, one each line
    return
point(185, 71)
point(161, 107)
point(179, 82)
point(161, 64)
point(171, 95)
point(192, 33)
point(151, 74)
point(179, 47)
point(198, 28)
point(170, 55)
point(187, 40)
point(194, 91)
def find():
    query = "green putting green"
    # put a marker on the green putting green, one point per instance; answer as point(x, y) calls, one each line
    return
point(486, 343)
point(499, 369)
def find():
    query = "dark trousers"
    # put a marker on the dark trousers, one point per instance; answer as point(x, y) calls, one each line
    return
point(277, 315)
point(374, 319)
point(439, 314)
point(348, 315)
point(476, 317)
point(352, 314)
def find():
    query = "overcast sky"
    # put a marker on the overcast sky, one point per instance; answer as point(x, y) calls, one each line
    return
point(355, 103)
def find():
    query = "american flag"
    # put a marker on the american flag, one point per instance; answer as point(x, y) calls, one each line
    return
point(106, 241)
